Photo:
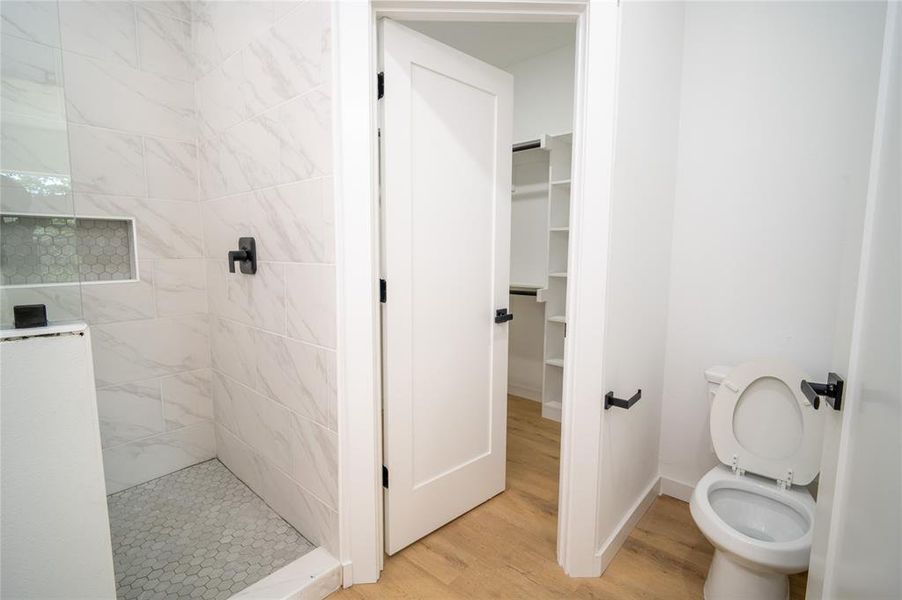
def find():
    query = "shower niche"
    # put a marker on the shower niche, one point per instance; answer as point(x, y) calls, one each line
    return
point(40, 250)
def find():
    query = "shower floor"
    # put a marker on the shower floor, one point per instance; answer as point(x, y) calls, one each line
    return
point(196, 533)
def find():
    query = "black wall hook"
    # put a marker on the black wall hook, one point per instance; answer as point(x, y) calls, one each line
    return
point(610, 400)
point(831, 391)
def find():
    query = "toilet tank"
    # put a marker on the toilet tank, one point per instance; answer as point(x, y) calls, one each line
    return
point(714, 376)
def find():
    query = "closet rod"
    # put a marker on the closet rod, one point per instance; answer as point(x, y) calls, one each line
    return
point(527, 145)
point(522, 292)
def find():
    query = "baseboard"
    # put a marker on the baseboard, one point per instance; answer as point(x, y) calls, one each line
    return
point(347, 573)
point(676, 489)
point(611, 546)
point(311, 577)
point(525, 392)
point(551, 410)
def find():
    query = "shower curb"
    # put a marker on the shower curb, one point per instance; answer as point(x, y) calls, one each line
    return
point(311, 577)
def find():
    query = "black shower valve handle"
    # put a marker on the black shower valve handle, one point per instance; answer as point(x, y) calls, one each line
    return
point(236, 255)
point(246, 256)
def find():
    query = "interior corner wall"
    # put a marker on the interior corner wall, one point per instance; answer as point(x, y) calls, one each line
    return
point(264, 96)
point(777, 114)
point(543, 94)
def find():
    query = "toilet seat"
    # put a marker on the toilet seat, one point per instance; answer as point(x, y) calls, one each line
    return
point(761, 422)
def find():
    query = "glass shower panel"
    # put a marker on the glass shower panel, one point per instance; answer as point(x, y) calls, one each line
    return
point(38, 258)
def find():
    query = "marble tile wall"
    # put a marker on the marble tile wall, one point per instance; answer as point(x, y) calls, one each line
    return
point(265, 170)
point(99, 119)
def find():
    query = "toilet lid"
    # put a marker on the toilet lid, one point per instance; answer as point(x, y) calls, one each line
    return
point(761, 420)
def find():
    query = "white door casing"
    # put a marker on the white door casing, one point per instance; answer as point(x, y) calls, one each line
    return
point(446, 140)
point(357, 246)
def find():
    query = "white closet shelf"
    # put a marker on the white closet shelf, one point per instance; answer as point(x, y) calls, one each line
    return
point(525, 190)
point(561, 182)
point(562, 274)
point(563, 229)
point(558, 319)
point(555, 362)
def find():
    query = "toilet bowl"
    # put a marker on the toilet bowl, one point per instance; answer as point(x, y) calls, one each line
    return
point(762, 530)
point(753, 507)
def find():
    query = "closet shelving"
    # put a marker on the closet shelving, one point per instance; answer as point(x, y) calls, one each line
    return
point(559, 148)
point(557, 240)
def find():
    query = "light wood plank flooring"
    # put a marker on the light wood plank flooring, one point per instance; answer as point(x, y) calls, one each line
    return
point(505, 548)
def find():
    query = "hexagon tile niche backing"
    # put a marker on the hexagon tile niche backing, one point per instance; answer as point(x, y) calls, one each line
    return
point(38, 250)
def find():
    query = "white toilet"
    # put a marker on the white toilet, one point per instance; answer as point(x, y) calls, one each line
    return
point(754, 507)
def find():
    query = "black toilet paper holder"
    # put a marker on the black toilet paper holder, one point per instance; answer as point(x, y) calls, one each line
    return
point(831, 391)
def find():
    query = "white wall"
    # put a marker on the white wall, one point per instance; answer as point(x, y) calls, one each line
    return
point(641, 217)
point(529, 218)
point(543, 93)
point(527, 336)
point(777, 112)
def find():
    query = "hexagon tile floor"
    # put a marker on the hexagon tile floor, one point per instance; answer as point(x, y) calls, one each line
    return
point(196, 533)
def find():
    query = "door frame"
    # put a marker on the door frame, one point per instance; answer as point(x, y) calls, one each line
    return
point(355, 155)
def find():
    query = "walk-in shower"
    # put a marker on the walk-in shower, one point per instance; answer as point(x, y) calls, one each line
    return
point(140, 141)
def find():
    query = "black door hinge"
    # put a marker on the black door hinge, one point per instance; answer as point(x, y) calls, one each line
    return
point(383, 291)
point(380, 86)
point(384, 476)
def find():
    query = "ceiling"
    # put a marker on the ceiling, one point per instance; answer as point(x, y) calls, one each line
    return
point(500, 44)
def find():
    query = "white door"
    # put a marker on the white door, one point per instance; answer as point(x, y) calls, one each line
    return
point(857, 546)
point(446, 160)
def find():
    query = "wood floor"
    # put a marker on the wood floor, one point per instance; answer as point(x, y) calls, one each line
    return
point(505, 548)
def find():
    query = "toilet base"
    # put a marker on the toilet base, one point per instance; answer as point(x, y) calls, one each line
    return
point(730, 580)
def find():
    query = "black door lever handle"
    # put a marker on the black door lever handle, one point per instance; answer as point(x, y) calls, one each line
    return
point(502, 316)
point(246, 255)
